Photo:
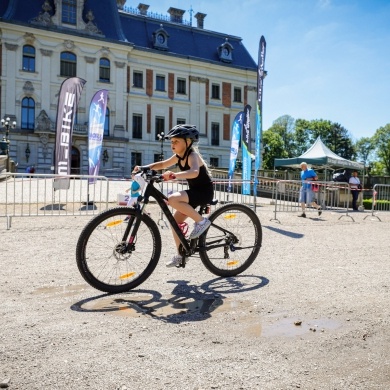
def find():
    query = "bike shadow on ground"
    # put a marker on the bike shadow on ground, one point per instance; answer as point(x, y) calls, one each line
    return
point(187, 302)
point(284, 232)
point(54, 206)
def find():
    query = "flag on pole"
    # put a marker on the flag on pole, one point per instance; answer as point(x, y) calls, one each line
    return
point(68, 100)
point(236, 136)
point(259, 110)
point(97, 116)
point(246, 150)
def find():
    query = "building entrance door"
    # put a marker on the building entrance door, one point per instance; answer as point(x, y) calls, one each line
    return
point(75, 163)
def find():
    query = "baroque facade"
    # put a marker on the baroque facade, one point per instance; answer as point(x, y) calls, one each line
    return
point(159, 71)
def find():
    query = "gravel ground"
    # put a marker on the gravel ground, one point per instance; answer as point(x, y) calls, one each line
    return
point(312, 312)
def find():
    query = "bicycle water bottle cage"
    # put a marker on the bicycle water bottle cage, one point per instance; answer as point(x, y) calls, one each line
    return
point(184, 228)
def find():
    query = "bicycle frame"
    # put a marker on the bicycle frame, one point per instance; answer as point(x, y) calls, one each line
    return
point(151, 191)
point(189, 247)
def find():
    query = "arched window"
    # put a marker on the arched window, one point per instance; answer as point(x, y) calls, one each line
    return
point(107, 123)
point(68, 64)
point(29, 58)
point(104, 70)
point(28, 113)
point(69, 11)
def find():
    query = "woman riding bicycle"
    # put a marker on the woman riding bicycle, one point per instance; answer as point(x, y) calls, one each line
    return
point(192, 168)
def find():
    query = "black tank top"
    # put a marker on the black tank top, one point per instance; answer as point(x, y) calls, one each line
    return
point(202, 180)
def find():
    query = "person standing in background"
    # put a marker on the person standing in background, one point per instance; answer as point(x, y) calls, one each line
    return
point(306, 194)
point(355, 187)
point(134, 191)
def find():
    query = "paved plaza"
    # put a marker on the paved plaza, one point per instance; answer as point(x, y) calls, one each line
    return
point(312, 312)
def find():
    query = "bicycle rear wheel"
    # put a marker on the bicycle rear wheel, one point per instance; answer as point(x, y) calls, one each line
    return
point(106, 260)
point(230, 251)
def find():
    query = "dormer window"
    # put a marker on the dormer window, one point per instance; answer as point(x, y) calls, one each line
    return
point(225, 52)
point(160, 39)
point(69, 11)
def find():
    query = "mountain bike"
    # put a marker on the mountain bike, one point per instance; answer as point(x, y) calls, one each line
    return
point(120, 248)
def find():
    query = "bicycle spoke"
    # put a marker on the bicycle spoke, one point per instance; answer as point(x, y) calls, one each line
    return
point(107, 261)
point(232, 251)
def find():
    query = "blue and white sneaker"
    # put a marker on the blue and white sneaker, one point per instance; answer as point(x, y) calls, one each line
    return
point(175, 261)
point(200, 228)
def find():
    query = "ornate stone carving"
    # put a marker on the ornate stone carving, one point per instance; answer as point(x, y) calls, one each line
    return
point(90, 60)
point(28, 88)
point(44, 138)
point(10, 46)
point(29, 38)
point(43, 122)
point(46, 53)
point(44, 18)
point(69, 44)
point(120, 64)
point(105, 51)
point(90, 26)
point(120, 3)
point(198, 79)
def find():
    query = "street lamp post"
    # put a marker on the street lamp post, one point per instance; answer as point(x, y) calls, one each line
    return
point(161, 138)
point(7, 125)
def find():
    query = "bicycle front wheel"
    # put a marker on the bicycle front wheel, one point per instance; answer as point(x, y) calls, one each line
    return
point(233, 240)
point(105, 258)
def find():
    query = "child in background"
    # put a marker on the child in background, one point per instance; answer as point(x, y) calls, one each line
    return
point(134, 192)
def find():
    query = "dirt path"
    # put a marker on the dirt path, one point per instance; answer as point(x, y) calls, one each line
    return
point(312, 313)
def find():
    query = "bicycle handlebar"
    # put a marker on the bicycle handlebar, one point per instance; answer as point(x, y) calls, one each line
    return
point(151, 175)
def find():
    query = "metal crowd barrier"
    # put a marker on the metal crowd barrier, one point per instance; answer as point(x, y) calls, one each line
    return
point(380, 200)
point(221, 190)
point(333, 196)
point(23, 194)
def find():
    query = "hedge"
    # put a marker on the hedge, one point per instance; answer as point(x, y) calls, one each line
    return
point(383, 205)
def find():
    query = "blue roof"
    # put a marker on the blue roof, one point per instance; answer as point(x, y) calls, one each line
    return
point(137, 30)
point(184, 40)
point(3, 7)
point(16, 10)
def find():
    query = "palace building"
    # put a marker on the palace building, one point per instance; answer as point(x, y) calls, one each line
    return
point(159, 70)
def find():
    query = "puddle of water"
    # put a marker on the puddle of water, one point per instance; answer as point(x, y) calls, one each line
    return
point(290, 327)
point(254, 330)
point(229, 305)
point(252, 325)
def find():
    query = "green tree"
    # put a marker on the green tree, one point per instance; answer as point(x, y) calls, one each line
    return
point(302, 136)
point(364, 148)
point(377, 169)
point(381, 140)
point(334, 136)
point(273, 148)
point(284, 126)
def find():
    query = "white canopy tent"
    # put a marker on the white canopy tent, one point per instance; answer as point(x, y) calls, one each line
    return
point(319, 155)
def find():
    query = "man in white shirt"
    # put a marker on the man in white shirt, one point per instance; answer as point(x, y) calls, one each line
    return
point(354, 184)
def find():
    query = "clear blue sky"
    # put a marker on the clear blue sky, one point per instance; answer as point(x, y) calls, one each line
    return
point(326, 59)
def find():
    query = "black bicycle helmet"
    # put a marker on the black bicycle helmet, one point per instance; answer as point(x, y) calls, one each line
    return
point(183, 131)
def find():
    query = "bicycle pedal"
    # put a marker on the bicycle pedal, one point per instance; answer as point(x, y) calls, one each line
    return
point(182, 264)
